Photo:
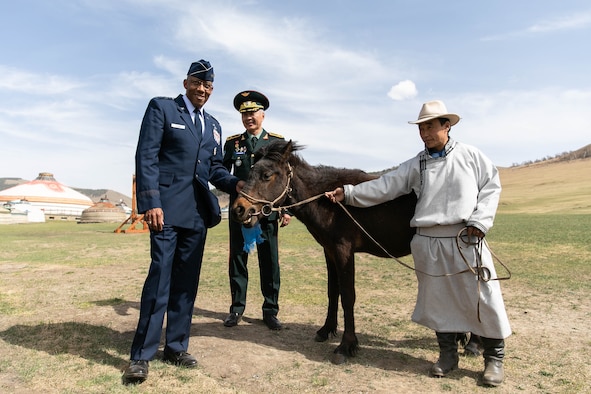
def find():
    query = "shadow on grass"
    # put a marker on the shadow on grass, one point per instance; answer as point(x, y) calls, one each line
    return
point(102, 345)
point(95, 343)
point(297, 337)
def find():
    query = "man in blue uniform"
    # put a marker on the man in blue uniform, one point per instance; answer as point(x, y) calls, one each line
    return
point(178, 153)
point(239, 156)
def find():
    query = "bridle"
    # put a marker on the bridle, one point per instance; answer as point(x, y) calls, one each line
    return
point(269, 206)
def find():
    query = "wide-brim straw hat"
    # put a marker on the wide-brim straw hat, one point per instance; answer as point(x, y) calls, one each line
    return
point(433, 110)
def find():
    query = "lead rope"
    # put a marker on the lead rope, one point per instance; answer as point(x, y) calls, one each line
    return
point(388, 253)
point(482, 272)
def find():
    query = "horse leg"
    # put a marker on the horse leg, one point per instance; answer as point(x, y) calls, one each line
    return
point(474, 346)
point(349, 343)
point(330, 324)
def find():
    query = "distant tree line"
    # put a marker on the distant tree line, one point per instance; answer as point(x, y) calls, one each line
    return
point(578, 154)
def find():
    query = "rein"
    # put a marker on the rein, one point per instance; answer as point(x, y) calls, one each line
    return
point(483, 273)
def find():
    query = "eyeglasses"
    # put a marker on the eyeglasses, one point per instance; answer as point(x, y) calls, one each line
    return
point(196, 82)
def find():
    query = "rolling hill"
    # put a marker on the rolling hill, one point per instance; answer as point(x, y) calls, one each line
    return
point(551, 186)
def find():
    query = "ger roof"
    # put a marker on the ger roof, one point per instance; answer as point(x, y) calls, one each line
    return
point(45, 189)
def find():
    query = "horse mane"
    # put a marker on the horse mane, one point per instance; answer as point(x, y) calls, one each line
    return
point(278, 150)
point(275, 151)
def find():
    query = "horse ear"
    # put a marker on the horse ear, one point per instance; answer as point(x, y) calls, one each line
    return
point(287, 150)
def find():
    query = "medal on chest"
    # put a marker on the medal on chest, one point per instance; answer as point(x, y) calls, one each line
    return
point(239, 153)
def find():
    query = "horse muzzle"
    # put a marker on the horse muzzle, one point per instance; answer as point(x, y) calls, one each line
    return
point(243, 211)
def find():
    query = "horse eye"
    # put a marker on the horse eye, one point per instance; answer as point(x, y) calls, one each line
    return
point(268, 175)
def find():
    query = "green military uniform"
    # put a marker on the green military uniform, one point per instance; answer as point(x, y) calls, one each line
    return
point(239, 158)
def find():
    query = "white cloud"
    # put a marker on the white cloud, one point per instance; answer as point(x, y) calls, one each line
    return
point(572, 22)
point(403, 90)
point(577, 21)
point(25, 82)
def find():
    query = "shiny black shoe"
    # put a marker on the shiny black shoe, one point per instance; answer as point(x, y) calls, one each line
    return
point(233, 319)
point(136, 372)
point(272, 322)
point(181, 359)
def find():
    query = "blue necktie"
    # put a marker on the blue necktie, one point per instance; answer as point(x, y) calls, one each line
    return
point(198, 121)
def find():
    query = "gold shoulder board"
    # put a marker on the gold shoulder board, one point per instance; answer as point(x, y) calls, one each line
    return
point(233, 137)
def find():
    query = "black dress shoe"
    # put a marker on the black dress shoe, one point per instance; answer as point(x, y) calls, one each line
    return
point(136, 372)
point(233, 319)
point(272, 322)
point(182, 359)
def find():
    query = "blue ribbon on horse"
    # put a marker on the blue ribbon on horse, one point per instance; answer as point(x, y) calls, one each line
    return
point(252, 236)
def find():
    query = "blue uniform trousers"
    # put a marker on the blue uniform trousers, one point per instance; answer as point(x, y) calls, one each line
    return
point(171, 288)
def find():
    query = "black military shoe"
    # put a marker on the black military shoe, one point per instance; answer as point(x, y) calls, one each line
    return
point(136, 372)
point(233, 319)
point(181, 359)
point(272, 322)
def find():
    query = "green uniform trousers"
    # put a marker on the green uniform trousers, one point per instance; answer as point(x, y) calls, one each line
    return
point(268, 255)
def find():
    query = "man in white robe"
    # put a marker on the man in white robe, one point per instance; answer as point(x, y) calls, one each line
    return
point(457, 188)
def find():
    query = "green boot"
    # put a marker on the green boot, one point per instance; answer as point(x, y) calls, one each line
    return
point(448, 354)
point(494, 352)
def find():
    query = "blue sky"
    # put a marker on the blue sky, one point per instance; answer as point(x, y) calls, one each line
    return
point(343, 77)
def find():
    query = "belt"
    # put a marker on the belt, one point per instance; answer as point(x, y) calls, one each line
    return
point(448, 231)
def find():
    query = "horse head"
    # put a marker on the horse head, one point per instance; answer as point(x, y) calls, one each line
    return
point(268, 183)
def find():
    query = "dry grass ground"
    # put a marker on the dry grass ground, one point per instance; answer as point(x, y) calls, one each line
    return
point(69, 305)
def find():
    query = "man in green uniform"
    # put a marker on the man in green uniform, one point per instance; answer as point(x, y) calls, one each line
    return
point(239, 158)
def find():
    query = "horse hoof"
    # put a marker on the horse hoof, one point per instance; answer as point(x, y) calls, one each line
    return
point(338, 358)
point(320, 338)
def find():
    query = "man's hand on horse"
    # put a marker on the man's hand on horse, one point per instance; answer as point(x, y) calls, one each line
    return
point(285, 219)
point(337, 195)
point(240, 185)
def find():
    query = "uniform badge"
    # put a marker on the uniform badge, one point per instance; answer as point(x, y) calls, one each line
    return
point(216, 134)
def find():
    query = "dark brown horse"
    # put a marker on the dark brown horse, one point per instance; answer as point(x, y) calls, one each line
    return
point(281, 178)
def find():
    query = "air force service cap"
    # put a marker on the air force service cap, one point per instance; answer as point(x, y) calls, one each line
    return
point(250, 101)
point(202, 70)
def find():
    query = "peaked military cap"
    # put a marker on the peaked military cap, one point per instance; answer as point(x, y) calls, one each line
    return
point(202, 70)
point(250, 101)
